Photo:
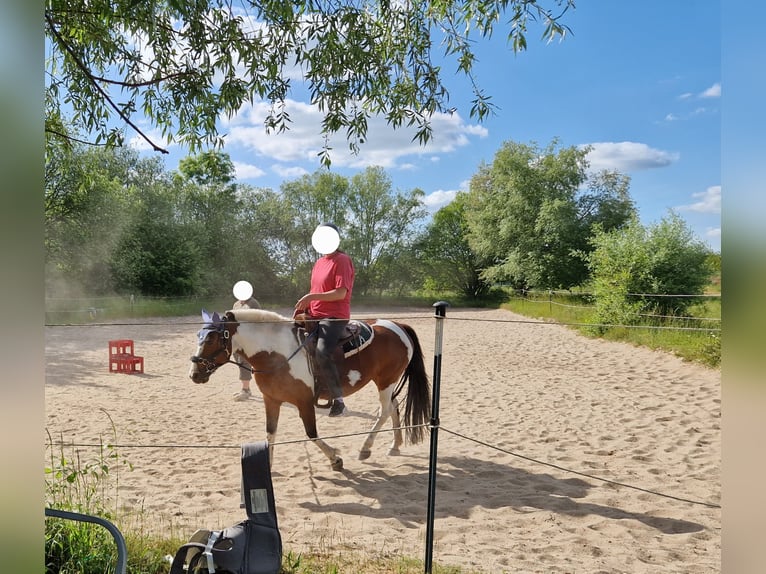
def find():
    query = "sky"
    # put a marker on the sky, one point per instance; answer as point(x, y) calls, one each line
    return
point(640, 82)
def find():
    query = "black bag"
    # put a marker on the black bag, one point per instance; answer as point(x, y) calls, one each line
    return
point(253, 546)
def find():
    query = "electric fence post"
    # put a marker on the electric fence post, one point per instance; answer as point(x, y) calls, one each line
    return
point(440, 313)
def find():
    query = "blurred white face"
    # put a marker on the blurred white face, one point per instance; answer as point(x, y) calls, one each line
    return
point(242, 290)
point(325, 239)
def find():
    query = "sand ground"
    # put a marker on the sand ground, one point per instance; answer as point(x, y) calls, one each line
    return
point(535, 420)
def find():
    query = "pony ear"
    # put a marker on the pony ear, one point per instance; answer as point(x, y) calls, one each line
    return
point(216, 319)
point(206, 316)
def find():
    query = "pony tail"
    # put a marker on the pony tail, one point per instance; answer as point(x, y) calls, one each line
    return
point(417, 409)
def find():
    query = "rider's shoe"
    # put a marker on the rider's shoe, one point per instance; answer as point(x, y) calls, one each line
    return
point(337, 409)
point(243, 395)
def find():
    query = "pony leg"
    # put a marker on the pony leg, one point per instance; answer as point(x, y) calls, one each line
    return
point(389, 407)
point(396, 422)
point(272, 420)
point(308, 416)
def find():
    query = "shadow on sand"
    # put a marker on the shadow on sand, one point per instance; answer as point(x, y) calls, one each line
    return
point(456, 494)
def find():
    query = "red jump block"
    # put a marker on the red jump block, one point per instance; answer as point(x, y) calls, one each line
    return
point(121, 347)
point(122, 359)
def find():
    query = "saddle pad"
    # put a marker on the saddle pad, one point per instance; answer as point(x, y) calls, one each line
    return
point(361, 336)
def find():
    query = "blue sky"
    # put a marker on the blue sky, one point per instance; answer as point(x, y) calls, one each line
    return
point(639, 81)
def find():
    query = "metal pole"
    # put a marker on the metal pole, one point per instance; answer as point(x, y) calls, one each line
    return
point(440, 313)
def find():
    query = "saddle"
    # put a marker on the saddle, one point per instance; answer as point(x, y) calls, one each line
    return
point(356, 336)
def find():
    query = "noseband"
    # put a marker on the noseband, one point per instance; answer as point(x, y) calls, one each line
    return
point(225, 347)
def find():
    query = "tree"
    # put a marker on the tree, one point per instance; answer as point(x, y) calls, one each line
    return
point(87, 205)
point(261, 241)
point(445, 254)
point(379, 225)
point(208, 168)
point(374, 221)
point(185, 64)
point(154, 258)
point(158, 252)
point(531, 212)
point(631, 264)
point(208, 205)
point(320, 197)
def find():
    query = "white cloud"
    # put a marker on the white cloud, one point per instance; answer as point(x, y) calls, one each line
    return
point(436, 200)
point(302, 142)
point(713, 232)
point(289, 172)
point(628, 156)
point(713, 91)
point(139, 143)
point(247, 170)
point(709, 201)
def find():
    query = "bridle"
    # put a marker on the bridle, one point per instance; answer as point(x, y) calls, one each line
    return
point(224, 340)
point(210, 365)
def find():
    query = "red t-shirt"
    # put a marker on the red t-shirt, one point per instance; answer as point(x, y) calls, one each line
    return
point(331, 272)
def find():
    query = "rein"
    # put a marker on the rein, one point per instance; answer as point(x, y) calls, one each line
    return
point(210, 365)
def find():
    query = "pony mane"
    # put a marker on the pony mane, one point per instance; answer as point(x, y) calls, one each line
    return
point(258, 316)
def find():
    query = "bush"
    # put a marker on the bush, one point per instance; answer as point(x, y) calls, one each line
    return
point(710, 350)
point(634, 268)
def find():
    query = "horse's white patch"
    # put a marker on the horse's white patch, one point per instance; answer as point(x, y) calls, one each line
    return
point(354, 377)
point(193, 367)
point(273, 334)
point(391, 326)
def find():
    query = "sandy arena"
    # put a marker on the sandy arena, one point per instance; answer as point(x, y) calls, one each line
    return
point(533, 415)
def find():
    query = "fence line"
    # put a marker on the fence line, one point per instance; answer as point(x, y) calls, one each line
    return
point(679, 317)
point(60, 444)
point(521, 321)
point(587, 294)
point(615, 325)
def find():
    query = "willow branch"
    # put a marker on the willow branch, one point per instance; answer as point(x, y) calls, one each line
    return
point(103, 93)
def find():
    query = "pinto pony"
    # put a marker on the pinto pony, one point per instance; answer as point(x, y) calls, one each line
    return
point(391, 358)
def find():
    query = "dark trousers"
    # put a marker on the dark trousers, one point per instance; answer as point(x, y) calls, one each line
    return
point(328, 333)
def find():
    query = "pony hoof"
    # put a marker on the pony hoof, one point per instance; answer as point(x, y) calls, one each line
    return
point(364, 454)
point(393, 452)
point(337, 464)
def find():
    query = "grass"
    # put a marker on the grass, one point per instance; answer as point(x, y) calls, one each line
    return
point(686, 336)
point(91, 486)
point(96, 309)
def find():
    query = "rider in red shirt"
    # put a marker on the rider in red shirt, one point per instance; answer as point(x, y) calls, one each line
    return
point(329, 300)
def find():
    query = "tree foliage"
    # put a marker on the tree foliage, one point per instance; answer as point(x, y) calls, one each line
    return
point(531, 211)
point(119, 224)
point(634, 266)
point(445, 256)
point(116, 223)
point(182, 64)
point(86, 206)
point(381, 221)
